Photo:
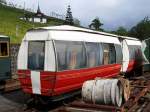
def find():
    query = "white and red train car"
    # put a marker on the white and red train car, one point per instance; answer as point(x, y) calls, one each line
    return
point(56, 60)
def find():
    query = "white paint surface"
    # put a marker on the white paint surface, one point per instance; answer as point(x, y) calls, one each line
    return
point(49, 64)
point(23, 56)
point(52, 33)
point(36, 82)
point(125, 51)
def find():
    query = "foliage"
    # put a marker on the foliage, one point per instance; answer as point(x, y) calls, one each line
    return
point(3, 1)
point(121, 31)
point(96, 24)
point(12, 26)
point(69, 17)
point(76, 22)
point(141, 30)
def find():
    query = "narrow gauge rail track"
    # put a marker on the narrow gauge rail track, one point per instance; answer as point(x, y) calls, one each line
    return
point(139, 101)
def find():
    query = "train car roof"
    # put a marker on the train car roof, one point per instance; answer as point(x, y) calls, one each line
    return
point(3, 36)
point(72, 29)
point(130, 38)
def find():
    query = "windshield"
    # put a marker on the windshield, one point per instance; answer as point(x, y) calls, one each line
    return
point(36, 51)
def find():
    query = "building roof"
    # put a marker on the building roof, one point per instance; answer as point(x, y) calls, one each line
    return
point(39, 10)
point(39, 13)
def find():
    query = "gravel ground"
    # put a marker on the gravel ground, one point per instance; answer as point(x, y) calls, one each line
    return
point(12, 101)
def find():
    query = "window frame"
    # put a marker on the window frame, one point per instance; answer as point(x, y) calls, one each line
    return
point(8, 49)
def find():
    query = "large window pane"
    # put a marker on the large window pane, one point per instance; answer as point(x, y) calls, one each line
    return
point(112, 54)
point(4, 49)
point(70, 55)
point(106, 54)
point(118, 53)
point(131, 52)
point(138, 53)
point(61, 51)
point(93, 54)
point(36, 53)
point(101, 54)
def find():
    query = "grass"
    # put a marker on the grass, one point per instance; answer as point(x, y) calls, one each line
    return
point(10, 23)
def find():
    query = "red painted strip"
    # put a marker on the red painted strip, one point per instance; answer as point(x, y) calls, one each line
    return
point(69, 80)
point(61, 82)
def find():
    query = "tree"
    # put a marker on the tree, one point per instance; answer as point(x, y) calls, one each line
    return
point(121, 31)
point(69, 17)
point(141, 30)
point(96, 24)
point(76, 22)
point(3, 1)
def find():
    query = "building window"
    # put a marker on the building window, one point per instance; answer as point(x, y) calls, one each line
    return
point(93, 54)
point(70, 55)
point(4, 49)
point(41, 19)
point(36, 54)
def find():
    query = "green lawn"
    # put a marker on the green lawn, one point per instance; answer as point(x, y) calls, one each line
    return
point(10, 23)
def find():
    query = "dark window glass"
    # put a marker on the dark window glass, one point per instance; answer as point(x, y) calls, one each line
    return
point(138, 53)
point(4, 49)
point(118, 53)
point(70, 55)
point(112, 54)
point(93, 54)
point(106, 54)
point(36, 51)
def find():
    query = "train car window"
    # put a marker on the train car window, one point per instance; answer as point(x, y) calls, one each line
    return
point(93, 54)
point(4, 49)
point(112, 54)
point(76, 57)
point(138, 53)
point(101, 54)
point(132, 52)
point(119, 55)
point(106, 54)
point(36, 54)
point(70, 55)
point(61, 47)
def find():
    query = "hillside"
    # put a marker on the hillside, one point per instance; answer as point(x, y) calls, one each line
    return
point(9, 20)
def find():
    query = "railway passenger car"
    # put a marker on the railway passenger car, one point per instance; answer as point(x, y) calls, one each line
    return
point(146, 51)
point(56, 60)
point(5, 61)
point(132, 55)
